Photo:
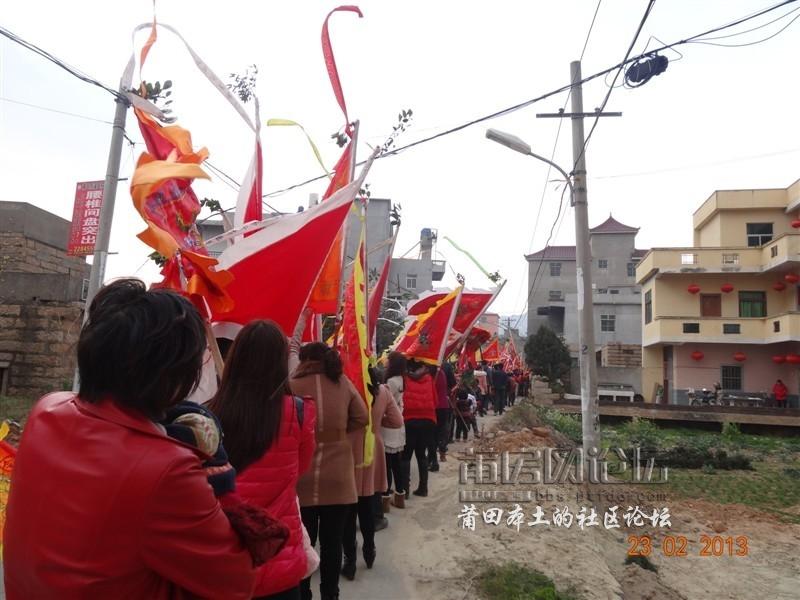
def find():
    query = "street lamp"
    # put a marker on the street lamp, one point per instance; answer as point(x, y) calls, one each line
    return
point(588, 368)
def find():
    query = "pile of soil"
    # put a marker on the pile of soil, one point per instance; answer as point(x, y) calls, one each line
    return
point(536, 437)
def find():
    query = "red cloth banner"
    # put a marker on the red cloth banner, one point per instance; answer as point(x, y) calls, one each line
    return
point(376, 299)
point(427, 337)
point(85, 218)
point(330, 61)
point(491, 353)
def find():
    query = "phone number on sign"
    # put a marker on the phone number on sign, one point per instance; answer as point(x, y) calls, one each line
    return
point(678, 545)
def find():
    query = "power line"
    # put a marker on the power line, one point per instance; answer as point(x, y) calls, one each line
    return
point(54, 110)
point(591, 26)
point(527, 103)
point(738, 33)
point(56, 61)
point(749, 43)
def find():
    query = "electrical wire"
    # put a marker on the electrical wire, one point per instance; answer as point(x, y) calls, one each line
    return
point(738, 33)
point(532, 101)
point(69, 69)
point(591, 27)
point(761, 41)
point(54, 110)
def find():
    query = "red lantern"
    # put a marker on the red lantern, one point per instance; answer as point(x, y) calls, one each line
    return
point(727, 288)
point(791, 278)
point(697, 355)
point(778, 286)
point(740, 357)
point(793, 359)
point(796, 223)
point(779, 359)
point(693, 288)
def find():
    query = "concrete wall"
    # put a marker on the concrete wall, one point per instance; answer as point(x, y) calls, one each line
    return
point(617, 249)
point(378, 231)
point(399, 271)
point(565, 283)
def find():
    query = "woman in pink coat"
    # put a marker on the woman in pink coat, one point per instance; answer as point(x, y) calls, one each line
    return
point(269, 437)
point(370, 479)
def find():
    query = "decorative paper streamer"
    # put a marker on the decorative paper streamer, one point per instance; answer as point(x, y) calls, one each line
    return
point(290, 123)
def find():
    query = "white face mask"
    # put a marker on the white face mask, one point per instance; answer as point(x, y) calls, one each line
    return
point(208, 381)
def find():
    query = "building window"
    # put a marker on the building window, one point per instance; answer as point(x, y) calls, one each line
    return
point(758, 234)
point(773, 252)
point(602, 291)
point(776, 326)
point(411, 281)
point(691, 328)
point(613, 291)
point(752, 304)
point(731, 377)
point(602, 263)
point(631, 269)
point(730, 259)
point(731, 328)
point(555, 269)
point(555, 296)
point(542, 311)
point(710, 305)
point(608, 322)
point(688, 259)
point(648, 306)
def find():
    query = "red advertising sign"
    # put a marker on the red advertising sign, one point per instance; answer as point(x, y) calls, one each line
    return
point(85, 218)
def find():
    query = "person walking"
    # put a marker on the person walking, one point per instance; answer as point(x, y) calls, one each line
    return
point(328, 489)
point(444, 415)
point(104, 504)
point(780, 391)
point(369, 478)
point(269, 438)
point(394, 440)
point(419, 414)
point(499, 380)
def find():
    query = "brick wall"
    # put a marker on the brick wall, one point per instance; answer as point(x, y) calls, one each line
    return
point(616, 354)
point(19, 254)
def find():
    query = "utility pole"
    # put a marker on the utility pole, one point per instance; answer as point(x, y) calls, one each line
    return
point(98, 271)
point(590, 418)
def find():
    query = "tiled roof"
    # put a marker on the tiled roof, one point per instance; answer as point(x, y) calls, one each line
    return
point(611, 225)
point(639, 253)
point(554, 253)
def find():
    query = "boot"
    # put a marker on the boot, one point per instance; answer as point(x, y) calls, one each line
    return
point(442, 456)
point(381, 523)
point(386, 503)
point(399, 500)
point(349, 563)
point(369, 556)
point(406, 483)
point(433, 467)
point(421, 491)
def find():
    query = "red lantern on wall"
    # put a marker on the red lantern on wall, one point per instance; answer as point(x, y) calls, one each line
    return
point(727, 288)
point(693, 288)
point(779, 359)
point(793, 359)
point(791, 278)
point(697, 355)
point(778, 286)
point(739, 357)
point(796, 223)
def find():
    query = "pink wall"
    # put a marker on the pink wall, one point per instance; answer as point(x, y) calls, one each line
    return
point(758, 371)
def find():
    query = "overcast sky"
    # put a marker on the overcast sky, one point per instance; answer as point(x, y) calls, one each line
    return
point(718, 118)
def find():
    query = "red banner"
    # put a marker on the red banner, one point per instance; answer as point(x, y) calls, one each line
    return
point(85, 218)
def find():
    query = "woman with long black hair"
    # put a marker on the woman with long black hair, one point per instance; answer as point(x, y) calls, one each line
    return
point(269, 438)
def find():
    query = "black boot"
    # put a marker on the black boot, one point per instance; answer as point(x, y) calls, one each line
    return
point(406, 483)
point(349, 563)
point(369, 556)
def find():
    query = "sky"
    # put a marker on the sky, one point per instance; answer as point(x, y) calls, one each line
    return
point(718, 118)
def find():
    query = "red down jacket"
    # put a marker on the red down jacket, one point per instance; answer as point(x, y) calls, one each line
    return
point(104, 505)
point(419, 396)
point(270, 483)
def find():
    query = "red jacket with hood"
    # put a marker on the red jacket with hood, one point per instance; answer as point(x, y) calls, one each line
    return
point(104, 504)
point(270, 483)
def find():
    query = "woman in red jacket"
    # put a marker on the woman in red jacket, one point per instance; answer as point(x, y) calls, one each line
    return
point(419, 414)
point(103, 503)
point(269, 437)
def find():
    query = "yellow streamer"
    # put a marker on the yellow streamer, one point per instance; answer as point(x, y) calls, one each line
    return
point(290, 123)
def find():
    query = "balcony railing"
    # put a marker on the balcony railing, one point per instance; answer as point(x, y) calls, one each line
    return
point(438, 269)
point(767, 330)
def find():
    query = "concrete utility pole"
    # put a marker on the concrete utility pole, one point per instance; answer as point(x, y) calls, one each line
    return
point(98, 271)
point(590, 417)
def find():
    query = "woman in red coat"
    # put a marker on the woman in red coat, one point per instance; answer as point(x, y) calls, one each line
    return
point(103, 503)
point(269, 437)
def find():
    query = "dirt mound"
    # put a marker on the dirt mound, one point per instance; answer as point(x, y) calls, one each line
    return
point(537, 437)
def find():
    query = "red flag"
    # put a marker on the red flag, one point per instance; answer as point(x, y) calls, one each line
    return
point(426, 339)
point(324, 298)
point(376, 297)
point(248, 205)
point(330, 61)
point(276, 267)
point(491, 353)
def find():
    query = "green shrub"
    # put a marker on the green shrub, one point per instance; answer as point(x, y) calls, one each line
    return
point(731, 431)
point(641, 561)
point(641, 432)
point(568, 424)
point(513, 581)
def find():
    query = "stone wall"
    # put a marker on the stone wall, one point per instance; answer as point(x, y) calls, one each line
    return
point(37, 346)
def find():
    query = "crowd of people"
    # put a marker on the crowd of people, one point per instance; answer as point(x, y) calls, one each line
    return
point(139, 487)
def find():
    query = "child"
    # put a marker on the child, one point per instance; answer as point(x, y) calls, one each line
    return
point(196, 426)
point(464, 416)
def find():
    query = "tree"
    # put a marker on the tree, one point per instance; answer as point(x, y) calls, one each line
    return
point(547, 355)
